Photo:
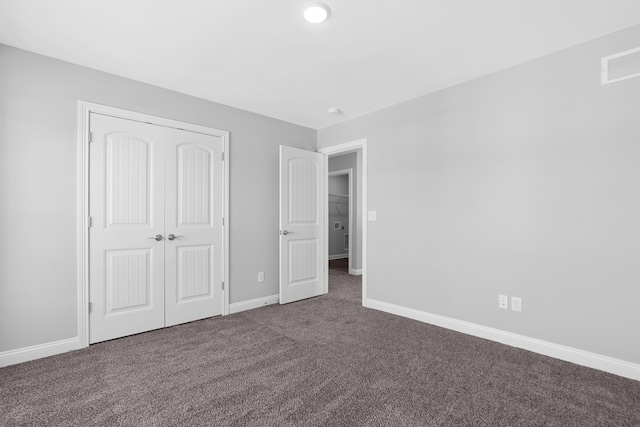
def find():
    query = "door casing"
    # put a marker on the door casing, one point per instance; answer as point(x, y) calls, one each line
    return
point(82, 191)
point(360, 146)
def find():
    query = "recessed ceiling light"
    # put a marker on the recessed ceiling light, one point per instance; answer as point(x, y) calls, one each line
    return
point(315, 12)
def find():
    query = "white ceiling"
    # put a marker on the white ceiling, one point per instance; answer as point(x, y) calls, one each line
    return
point(261, 56)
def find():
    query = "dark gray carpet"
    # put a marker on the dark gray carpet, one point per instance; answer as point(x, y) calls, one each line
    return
point(341, 264)
point(322, 361)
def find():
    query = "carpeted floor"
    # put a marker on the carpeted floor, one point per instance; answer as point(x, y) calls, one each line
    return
point(322, 361)
point(340, 264)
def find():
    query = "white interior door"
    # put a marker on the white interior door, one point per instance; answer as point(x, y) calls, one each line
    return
point(156, 240)
point(126, 206)
point(193, 194)
point(302, 234)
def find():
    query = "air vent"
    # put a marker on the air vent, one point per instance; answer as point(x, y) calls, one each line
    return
point(621, 66)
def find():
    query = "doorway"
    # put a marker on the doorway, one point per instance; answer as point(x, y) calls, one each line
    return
point(340, 211)
point(154, 242)
point(340, 159)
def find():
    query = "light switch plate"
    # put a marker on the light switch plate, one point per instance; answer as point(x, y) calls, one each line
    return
point(516, 304)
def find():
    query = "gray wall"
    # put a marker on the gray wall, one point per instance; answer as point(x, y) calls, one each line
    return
point(525, 182)
point(338, 211)
point(351, 161)
point(38, 128)
point(339, 184)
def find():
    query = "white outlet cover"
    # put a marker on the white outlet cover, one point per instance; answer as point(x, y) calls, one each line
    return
point(373, 215)
point(503, 301)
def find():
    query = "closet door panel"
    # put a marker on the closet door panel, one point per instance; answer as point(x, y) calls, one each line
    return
point(193, 258)
point(127, 209)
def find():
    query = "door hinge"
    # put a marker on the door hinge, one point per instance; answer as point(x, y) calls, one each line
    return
point(90, 137)
point(90, 307)
point(223, 286)
point(223, 157)
point(89, 222)
point(222, 220)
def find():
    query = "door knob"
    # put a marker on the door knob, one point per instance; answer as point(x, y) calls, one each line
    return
point(158, 237)
point(173, 237)
point(285, 232)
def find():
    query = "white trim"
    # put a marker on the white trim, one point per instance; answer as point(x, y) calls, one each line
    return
point(356, 271)
point(325, 196)
point(82, 246)
point(227, 225)
point(91, 107)
point(238, 307)
point(338, 256)
point(359, 145)
point(569, 354)
point(33, 352)
point(82, 206)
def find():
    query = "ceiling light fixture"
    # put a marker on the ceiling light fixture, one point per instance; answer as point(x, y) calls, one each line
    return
point(334, 111)
point(315, 12)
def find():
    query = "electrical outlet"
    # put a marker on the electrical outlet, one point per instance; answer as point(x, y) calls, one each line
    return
point(373, 215)
point(261, 277)
point(503, 301)
point(516, 304)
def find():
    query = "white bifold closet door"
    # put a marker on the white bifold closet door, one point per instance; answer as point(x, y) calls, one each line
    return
point(155, 243)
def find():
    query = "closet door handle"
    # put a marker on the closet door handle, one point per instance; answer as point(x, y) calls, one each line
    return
point(173, 237)
point(157, 237)
point(285, 232)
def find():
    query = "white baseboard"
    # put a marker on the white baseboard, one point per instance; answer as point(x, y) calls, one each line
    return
point(237, 307)
point(568, 354)
point(356, 271)
point(339, 256)
point(33, 352)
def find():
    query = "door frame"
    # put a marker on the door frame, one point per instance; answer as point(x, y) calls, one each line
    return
point(349, 173)
point(82, 196)
point(357, 146)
